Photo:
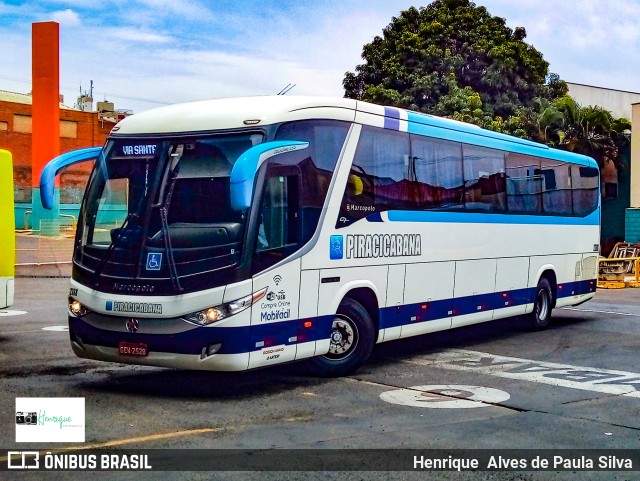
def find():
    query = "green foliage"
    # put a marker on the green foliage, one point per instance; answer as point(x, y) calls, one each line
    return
point(591, 131)
point(455, 60)
point(426, 56)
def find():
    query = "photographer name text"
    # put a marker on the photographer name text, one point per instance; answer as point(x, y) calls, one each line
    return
point(555, 463)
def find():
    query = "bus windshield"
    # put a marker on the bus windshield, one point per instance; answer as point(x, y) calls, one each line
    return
point(161, 209)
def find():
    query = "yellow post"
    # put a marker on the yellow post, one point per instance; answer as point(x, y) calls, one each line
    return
point(7, 230)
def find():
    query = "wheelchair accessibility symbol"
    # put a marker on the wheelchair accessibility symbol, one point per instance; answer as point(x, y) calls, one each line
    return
point(154, 261)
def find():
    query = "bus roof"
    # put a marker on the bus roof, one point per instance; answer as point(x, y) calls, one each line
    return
point(240, 112)
point(231, 113)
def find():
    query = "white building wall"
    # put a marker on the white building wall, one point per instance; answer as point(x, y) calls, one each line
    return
point(618, 102)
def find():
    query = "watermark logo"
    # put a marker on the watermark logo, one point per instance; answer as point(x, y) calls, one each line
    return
point(23, 460)
point(50, 420)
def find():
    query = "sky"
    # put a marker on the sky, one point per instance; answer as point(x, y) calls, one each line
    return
point(143, 54)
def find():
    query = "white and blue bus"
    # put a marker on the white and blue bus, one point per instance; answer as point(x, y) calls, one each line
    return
point(234, 234)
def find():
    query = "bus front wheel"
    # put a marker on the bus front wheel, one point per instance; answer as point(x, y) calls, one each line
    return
point(351, 341)
point(542, 305)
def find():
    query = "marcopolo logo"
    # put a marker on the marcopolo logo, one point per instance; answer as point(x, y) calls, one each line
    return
point(50, 420)
point(140, 307)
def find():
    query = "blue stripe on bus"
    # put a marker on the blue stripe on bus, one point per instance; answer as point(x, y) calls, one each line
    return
point(431, 126)
point(391, 118)
point(375, 217)
point(436, 126)
point(237, 340)
point(442, 309)
point(481, 218)
point(234, 339)
point(443, 128)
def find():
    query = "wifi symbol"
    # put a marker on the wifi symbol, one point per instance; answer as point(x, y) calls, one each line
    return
point(277, 279)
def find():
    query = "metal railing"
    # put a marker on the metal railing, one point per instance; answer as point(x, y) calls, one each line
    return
point(52, 244)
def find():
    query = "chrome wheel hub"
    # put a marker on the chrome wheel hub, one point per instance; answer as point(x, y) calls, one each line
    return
point(343, 337)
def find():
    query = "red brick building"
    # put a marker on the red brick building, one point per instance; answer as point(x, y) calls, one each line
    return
point(78, 129)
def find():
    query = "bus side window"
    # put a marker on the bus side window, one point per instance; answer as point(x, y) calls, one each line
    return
point(278, 226)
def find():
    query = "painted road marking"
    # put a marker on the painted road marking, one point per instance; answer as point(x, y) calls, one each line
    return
point(133, 440)
point(9, 312)
point(56, 328)
point(600, 312)
point(575, 377)
point(440, 396)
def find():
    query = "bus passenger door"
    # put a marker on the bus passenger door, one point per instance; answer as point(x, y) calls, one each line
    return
point(274, 319)
point(274, 324)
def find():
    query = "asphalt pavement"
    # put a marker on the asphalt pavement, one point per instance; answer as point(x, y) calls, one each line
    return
point(495, 386)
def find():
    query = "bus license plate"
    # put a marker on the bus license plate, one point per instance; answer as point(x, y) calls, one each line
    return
point(133, 349)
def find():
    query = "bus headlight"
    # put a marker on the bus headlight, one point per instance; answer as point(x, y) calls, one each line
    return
point(76, 308)
point(217, 313)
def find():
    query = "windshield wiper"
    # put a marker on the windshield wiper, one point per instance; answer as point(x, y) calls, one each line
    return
point(122, 230)
point(164, 209)
point(175, 280)
point(124, 227)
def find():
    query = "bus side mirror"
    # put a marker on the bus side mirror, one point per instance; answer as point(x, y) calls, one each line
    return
point(48, 176)
point(244, 170)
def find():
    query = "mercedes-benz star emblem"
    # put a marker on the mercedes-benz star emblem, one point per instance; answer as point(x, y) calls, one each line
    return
point(132, 325)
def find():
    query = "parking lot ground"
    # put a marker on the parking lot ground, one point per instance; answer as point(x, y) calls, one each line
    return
point(491, 386)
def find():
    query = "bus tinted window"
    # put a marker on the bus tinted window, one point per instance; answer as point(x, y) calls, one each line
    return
point(316, 164)
point(556, 187)
point(325, 139)
point(524, 184)
point(584, 181)
point(484, 179)
point(378, 179)
point(437, 168)
point(397, 171)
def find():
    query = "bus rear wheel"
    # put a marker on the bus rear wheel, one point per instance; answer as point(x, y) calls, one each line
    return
point(540, 318)
point(351, 341)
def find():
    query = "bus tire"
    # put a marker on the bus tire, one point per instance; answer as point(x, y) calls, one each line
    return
point(352, 340)
point(540, 318)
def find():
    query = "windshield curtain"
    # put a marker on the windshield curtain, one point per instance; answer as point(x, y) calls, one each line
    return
point(161, 209)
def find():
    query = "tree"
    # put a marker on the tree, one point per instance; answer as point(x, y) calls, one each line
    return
point(591, 131)
point(426, 57)
point(455, 60)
